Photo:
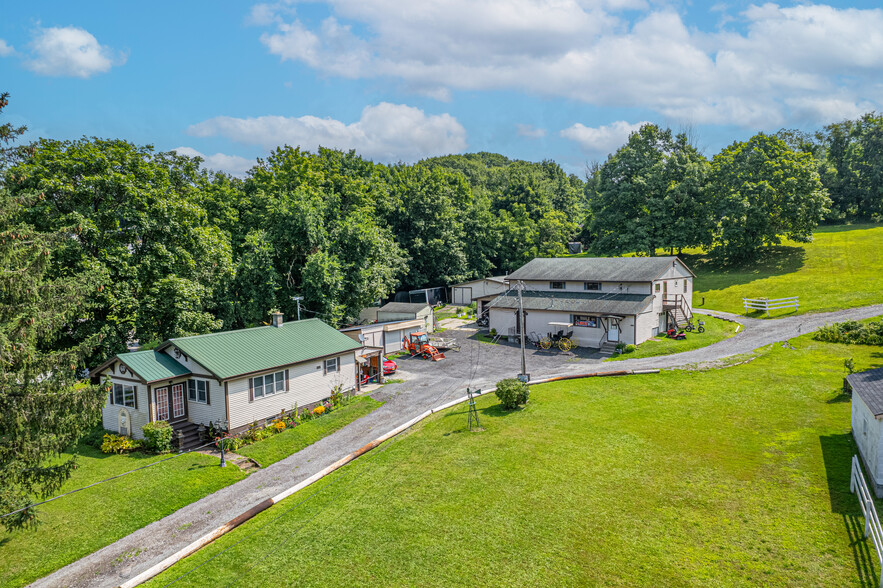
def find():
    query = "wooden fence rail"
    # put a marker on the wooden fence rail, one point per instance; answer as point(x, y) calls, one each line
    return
point(770, 304)
point(857, 485)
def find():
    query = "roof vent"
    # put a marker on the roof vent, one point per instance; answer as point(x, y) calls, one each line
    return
point(277, 319)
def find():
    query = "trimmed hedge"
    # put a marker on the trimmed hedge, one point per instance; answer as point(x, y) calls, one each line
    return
point(158, 436)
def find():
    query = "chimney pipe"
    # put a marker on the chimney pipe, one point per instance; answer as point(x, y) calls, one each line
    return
point(277, 319)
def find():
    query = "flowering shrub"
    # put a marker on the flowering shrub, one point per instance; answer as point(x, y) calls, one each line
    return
point(319, 410)
point(116, 444)
point(279, 426)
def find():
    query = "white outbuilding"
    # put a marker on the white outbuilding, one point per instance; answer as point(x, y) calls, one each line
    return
point(867, 422)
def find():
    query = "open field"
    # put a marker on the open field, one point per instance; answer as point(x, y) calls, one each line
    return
point(280, 446)
point(839, 269)
point(77, 525)
point(715, 330)
point(729, 477)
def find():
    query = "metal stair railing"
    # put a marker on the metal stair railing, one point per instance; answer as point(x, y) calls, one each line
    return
point(857, 485)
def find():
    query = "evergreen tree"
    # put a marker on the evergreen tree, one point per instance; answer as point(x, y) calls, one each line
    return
point(44, 407)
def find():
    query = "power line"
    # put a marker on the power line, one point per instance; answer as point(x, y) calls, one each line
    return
point(105, 480)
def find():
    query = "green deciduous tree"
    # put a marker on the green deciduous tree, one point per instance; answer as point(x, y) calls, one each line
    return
point(763, 191)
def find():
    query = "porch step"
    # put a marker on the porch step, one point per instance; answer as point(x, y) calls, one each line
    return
point(607, 348)
point(186, 436)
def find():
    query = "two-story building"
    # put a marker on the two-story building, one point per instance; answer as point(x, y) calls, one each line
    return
point(605, 300)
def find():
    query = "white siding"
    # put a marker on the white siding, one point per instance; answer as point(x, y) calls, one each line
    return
point(866, 430)
point(394, 338)
point(646, 323)
point(425, 314)
point(537, 321)
point(138, 416)
point(466, 292)
point(307, 384)
point(571, 286)
point(203, 413)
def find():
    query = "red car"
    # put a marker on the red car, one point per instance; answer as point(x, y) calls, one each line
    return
point(389, 366)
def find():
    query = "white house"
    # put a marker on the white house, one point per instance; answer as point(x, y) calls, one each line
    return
point(606, 300)
point(466, 293)
point(867, 422)
point(239, 376)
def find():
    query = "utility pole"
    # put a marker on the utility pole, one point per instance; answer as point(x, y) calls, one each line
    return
point(297, 299)
point(523, 376)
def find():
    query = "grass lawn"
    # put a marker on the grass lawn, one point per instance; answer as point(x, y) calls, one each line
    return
point(280, 446)
point(76, 525)
point(730, 477)
point(715, 330)
point(839, 269)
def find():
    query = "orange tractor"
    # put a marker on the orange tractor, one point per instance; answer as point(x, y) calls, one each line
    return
point(418, 344)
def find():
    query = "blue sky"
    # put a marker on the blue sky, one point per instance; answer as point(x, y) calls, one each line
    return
point(556, 79)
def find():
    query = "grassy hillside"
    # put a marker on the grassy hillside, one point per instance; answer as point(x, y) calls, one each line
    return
point(841, 268)
point(730, 477)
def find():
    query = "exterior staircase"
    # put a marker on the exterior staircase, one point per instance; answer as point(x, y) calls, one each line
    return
point(608, 348)
point(186, 436)
point(679, 314)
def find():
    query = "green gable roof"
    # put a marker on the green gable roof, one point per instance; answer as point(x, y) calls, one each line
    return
point(234, 353)
point(153, 365)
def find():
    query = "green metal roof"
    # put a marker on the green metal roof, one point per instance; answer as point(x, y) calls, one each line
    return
point(153, 365)
point(234, 353)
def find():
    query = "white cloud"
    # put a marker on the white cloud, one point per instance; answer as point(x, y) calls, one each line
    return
point(530, 131)
point(621, 53)
point(231, 164)
point(386, 132)
point(5, 49)
point(70, 51)
point(601, 140)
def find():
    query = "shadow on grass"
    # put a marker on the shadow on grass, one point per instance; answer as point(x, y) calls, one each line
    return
point(840, 395)
point(837, 452)
point(772, 260)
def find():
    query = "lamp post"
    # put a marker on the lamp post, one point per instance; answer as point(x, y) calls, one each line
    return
point(223, 425)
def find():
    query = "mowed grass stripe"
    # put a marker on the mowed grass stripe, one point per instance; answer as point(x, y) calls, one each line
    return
point(839, 269)
point(731, 477)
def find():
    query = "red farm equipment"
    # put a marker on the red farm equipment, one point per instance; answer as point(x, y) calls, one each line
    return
point(418, 344)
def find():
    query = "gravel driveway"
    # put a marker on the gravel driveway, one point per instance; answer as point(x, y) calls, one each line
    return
point(428, 384)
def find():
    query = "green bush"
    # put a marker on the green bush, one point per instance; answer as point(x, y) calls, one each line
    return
point(158, 436)
point(512, 392)
point(630, 348)
point(114, 443)
point(493, 332)
point(852, 333)
point(95, 436)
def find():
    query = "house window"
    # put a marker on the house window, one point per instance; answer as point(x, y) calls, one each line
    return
point(585, 321)
point(268, 384)
point(332, 365)
point(124, 395)
point(556, 285)
point(657, 286)
point(197, 391)
point(596, 286)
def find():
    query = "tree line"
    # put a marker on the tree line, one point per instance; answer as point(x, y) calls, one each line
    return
point(104, 243)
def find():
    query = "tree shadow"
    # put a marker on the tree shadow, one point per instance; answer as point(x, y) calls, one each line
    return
point(837, 452)
point(773, 260)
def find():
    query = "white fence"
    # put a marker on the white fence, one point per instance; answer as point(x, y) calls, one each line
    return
point(858, 485)
point(768, 305)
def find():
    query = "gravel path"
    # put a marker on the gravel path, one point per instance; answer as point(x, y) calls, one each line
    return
point(427, 385)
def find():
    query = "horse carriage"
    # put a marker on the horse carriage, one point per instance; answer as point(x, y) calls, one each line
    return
point(561, 337)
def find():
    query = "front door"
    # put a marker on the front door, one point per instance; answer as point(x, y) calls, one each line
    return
point(162, 403)
point(613, 331)
point(178, 410)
